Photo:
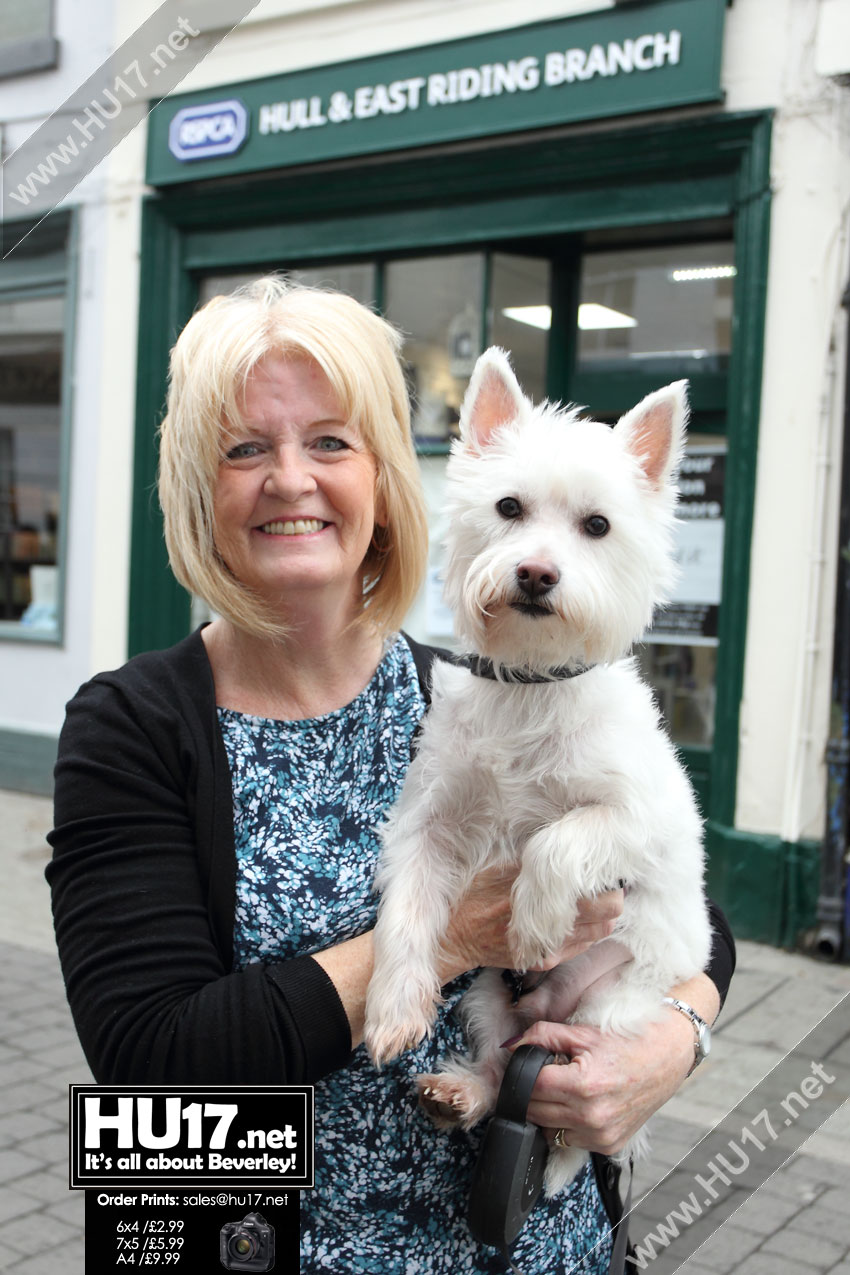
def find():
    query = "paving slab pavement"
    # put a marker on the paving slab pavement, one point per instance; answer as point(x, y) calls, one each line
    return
point(796, 1223)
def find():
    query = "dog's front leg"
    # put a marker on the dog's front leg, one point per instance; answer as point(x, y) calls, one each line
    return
point(418, 886)
point(572, 858)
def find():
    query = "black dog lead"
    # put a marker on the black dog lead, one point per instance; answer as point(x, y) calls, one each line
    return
point(508, 1175)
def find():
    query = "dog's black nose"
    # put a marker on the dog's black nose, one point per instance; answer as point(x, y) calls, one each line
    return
point(536, 578)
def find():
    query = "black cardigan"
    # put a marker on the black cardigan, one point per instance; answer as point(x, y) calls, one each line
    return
point(143, 880)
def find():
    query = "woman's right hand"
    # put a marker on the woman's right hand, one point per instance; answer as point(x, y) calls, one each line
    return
point(478, 926)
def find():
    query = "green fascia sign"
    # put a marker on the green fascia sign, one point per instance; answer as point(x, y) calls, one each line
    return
point(638, 57)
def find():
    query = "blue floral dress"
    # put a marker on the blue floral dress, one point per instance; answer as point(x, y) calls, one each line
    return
point(391, 1190)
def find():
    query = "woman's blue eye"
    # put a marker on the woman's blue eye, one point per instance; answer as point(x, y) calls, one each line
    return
point(329, 443)
point(242, 451)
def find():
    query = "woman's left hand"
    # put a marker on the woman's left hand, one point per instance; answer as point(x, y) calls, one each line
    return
point(613, 1084)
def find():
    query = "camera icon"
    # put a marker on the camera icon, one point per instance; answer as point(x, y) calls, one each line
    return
point(247, 1245)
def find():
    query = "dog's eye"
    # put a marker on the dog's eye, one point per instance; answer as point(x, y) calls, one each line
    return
point(508, 507)
point(597, 526)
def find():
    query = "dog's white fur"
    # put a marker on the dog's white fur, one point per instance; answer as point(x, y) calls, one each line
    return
point(574, 780)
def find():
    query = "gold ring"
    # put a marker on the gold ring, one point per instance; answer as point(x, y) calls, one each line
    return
point(560, 1139)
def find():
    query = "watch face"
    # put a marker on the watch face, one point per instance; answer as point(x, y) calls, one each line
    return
point(704, 1040)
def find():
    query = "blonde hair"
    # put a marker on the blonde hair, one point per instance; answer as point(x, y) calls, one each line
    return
point(210, 363)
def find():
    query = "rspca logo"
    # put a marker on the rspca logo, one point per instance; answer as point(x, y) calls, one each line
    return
point(199, 132)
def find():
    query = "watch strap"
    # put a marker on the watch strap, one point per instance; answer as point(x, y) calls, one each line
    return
point(699, 1025)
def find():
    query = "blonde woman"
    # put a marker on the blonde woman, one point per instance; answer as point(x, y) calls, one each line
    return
point(217, 804)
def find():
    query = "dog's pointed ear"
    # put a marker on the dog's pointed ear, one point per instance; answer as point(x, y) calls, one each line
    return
point(654, 432)
point(492, 399)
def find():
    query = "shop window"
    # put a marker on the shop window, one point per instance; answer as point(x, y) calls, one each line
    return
point(33, 410)
point(629, 320)
point(647, 316)
point(31, 341)
point(450, 309)
point(357, 279)
point(656, 309)
point(679, 657)
point(437, 303)
point(521, 316)
point(26, 38)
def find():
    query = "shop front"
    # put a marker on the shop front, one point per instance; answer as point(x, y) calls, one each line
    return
point(572, 191)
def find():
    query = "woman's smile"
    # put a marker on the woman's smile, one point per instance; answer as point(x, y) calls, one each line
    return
point(300, 527)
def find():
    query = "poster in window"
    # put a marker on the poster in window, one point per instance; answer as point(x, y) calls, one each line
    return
point(692, 615)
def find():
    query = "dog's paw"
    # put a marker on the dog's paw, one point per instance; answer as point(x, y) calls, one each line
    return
point(563, 1164)
point(386, 1042)
point(399, 1016)
point(527, 951)
point(453, 1101)
point(541, 920)
point(637, 1148)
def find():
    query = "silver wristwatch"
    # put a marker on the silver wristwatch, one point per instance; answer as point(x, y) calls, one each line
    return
point(702, 1031)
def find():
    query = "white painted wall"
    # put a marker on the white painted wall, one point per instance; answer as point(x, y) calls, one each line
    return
point(283, 35)
point(770, 61)
point(85, 31)
point(116, 385)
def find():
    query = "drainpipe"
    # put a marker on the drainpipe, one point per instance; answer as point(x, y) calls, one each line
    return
point(832, 938)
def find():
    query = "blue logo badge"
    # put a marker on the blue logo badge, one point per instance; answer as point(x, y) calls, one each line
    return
point(199, 132)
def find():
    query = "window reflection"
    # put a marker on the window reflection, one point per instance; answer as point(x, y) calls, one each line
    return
point(31, 337)
point(436, 301)
point(357, 279)
point(679, 658)
point(25, 21)
point(657, 306)
point(521, 316)
point(683, 678)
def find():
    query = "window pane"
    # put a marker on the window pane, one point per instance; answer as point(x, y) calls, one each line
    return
point(521, 316)
point(642, 308)
point(31, 335)
point(217, 285)
point(24, 21)
point(357, 280)
point(436, 301)
point(679, 657)
point(683, 678)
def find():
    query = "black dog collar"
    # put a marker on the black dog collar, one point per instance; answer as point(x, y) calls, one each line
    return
point(482, 667)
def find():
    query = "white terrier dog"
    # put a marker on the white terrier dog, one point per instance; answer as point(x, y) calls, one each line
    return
point(546, 751)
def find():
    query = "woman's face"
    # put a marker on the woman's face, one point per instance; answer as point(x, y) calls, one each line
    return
point(295, 500)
